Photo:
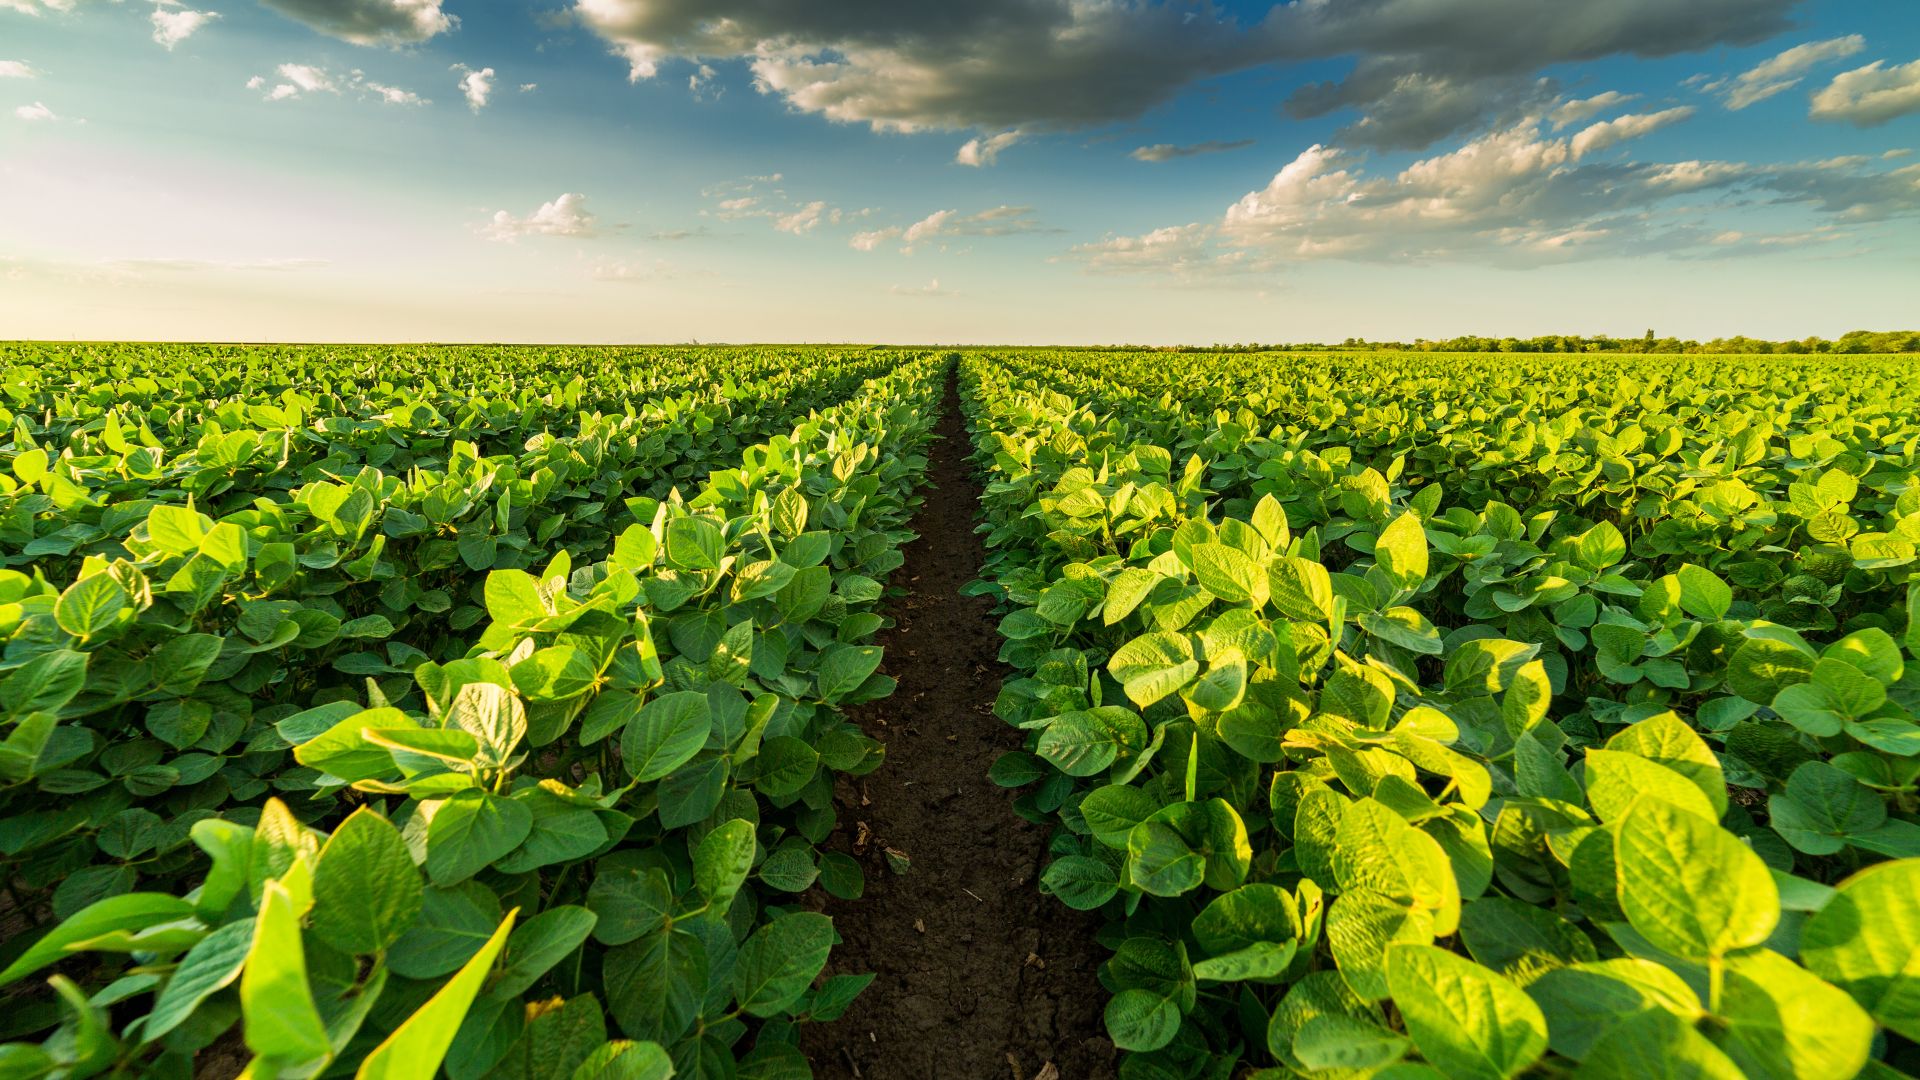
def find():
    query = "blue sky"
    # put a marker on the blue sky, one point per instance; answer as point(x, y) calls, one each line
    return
point(974, 171)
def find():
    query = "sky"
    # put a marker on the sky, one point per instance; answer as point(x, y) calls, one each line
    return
point(966, 171)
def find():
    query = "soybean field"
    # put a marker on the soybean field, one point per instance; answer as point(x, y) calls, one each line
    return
point(781, 712)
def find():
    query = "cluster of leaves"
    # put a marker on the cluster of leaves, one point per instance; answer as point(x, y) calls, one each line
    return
point(1371, 785)
point(591, 817)
point(186, 635)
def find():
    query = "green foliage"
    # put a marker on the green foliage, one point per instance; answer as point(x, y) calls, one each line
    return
point(1542, 717)
point(356, 715)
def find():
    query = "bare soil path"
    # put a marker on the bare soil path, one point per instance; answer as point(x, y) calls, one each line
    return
point(979, 976)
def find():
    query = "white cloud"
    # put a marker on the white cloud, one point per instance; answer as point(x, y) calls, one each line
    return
point(1159, 152)
point(528, 87)
point(476, 85)
point(370, 22)
point(17, 69)
point(1606, 133)
point(622, 270)
point(1574, 111)
point(943, 225)
point(803, 220)
point(391, 95)
point(1870, 96)
point(171, 27)
point(295, 80)
point(31, 7)
point(1513, 196)
point(564, 216)
point(1784, 70)
point(35, 113)
point(979, 152)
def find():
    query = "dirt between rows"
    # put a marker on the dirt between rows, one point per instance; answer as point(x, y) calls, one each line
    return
point(979, 976)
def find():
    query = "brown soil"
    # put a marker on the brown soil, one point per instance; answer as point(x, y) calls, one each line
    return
point(979, 976)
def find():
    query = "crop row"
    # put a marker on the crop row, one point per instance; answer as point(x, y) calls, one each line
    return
point(571, 798)
point(1394, 754)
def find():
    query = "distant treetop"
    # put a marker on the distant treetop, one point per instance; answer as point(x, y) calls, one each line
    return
point(1854, 341)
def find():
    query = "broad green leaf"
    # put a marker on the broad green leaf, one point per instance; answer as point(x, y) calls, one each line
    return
point(418, 1046)
point(668, 731)
point(366, 889)
point(1689, 886)
point(1783, 1023)
point(721, 862)
point(127, 912)
point(1153, 666)
point(471, 831)
point(779, 961)
point(1467, 1021)
point(1866, 940)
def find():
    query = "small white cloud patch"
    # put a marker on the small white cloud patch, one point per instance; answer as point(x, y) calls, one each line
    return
point(35, 113)
point(477, 85)
point(979, 152)
point(1784, 70)
point(1631, 126)
point(564, 216)
point(171, 26)
point(16, 69)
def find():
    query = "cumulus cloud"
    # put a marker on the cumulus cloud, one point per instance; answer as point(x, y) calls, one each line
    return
point(1869, 96)
point(1783, 71)
point(1159, 152)
point(1518, 195)
point(985, 64)
point(475, 85)
point(942, 225)
point(980, 152)
point(802, 221)
point(17, 69)
point(171, 27)
point(1631, 126)
point(370, 22)
point(295, 80)
point(35, 113)
point(1578, 109)
point(565, 216)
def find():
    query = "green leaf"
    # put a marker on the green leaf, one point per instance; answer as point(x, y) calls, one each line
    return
point(722, 861)
point(1823, 808)
point(91, 605)
point(1467, 1021)
point(127, 912)
point(1153, 666)
point(1657, 1045)
point(1336, 1041)
point(786, 765)
point(493, 715)
point(1401, 551)
point(844, 667)
point(1080, 882)
point(1702, 594)
point(418, 1046)
point(366, 889)
point(44, 683)
point(513, 597)
point(1585, 1002)
point(1783, 1023)
point(555, 673)
point(1141, 1020)
point(1230, 574)
point(694, 543)
point(536, 945)
point(282, 1021)
point(779, 962)
point(1689, 886)
point(1865, 940)
point(472, 830)
point(209, 967)
point(667, 733)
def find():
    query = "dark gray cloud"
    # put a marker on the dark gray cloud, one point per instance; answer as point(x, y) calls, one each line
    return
point(370, 22)
point(1169, 151)
point(1424, 69)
